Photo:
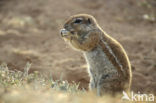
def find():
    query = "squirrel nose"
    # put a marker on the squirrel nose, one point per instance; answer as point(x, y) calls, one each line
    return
point(61, 32)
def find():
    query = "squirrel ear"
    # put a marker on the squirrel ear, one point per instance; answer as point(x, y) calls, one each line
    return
point(89, 21)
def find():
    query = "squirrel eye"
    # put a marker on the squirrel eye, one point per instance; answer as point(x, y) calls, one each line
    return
point(89, 21)
point(78, 21)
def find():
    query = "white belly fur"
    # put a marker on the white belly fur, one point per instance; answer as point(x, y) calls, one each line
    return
point(98, 63)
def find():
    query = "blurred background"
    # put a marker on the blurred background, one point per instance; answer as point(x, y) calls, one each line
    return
point(29, 32)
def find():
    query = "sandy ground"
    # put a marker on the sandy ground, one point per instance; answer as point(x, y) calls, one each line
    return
point(29, 31)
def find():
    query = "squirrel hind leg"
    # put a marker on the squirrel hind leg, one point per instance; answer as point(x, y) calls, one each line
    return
point(104, 86)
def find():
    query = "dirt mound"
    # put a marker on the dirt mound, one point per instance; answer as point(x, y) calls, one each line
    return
point(29, 31)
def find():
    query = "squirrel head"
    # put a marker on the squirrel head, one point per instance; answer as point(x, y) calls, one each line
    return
point(78, 26)
point(79, 29)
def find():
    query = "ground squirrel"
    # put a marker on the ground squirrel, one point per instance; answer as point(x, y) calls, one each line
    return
point(108, 65)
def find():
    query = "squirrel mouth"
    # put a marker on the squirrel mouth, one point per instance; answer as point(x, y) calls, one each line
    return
point(65, 32)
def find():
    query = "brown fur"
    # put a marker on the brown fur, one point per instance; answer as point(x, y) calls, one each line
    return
point(84, 34)
point(121, 55)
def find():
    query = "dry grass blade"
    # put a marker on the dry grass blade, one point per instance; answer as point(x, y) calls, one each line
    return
point(26, 69)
